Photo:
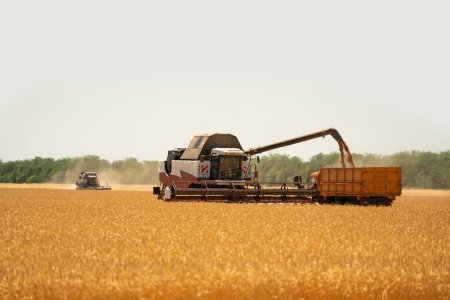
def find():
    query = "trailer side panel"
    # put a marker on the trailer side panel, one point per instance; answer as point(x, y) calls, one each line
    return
point(360, 182)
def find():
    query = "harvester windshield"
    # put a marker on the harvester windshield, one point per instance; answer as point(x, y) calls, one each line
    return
point(226, 167)
point(92, 180)
point(230, 167)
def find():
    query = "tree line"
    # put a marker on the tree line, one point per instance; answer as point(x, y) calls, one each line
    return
point(67, 170)
point(419, 169)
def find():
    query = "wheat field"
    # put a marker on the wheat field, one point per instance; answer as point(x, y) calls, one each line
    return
point(66, 244)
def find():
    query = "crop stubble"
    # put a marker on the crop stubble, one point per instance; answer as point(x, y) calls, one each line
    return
point(86, 244)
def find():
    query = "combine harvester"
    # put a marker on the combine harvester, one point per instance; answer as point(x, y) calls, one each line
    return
point(89, 181)
point(215, 168)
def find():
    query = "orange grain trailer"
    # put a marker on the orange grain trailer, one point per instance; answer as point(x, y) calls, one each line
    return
point(375, 185)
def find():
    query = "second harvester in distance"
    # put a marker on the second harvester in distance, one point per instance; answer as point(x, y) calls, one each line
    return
point(214, 167)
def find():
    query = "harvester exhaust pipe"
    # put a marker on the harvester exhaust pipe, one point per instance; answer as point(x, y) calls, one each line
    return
point(343, 148)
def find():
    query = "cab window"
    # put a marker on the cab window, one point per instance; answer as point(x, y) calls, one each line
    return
point(230, 167)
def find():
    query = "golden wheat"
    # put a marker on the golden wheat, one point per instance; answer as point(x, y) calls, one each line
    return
point(90, 244)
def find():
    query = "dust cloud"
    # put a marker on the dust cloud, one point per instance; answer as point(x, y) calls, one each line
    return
point(125, 172)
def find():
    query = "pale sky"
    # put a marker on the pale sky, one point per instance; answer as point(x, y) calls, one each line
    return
point(135, 78)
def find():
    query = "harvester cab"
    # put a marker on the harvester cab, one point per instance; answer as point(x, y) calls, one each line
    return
point(226, 164)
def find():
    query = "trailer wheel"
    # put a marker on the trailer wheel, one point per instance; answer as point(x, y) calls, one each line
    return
point(319, 199)
point(340, 200)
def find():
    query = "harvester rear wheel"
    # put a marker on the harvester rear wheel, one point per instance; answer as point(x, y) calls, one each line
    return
point(161, 191)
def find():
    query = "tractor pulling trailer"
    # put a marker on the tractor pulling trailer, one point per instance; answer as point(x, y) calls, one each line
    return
point(215, 167)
